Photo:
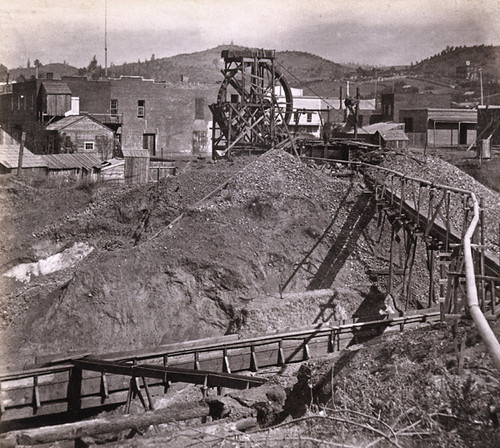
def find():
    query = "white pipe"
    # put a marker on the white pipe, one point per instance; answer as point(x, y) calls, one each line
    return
point(487, 335)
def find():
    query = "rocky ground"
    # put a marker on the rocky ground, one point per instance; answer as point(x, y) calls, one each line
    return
point(230, 264)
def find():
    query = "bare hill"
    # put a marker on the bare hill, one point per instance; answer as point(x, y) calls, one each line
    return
point(445, 63)
point(59, 70)
point(204, 66)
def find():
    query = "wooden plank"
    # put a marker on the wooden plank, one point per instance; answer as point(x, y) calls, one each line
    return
point(71, 431)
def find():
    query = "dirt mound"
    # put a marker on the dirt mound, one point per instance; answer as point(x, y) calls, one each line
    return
point(197, 278)
point(277, 227)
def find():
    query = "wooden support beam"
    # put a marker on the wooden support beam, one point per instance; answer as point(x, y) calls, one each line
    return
point(88, 428)
point(104, 387)
point(254, 365)
point(75, 389)
point(36, 394)
point(175, 374)
point(307, 354)
point(281, 354)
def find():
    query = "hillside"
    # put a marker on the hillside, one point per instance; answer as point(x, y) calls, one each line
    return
point(205, 66)
point(58, 69)
point(445, 63)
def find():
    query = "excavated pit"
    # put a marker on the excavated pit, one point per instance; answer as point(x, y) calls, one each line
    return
point(220, 269)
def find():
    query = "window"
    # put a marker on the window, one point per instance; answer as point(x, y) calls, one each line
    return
point(149, 143)
point(88, 146)
point(113, 108)
point(141, 106)
point(309, 117)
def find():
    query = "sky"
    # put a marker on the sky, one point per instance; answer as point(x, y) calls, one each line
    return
point(377, 32)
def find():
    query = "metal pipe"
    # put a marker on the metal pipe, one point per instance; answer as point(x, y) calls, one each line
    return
point(487, 335)
point(489, 338)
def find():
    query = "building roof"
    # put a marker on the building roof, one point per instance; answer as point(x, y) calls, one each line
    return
point(71, 161)
point(378, 127)
point(69, 120)
point(64, 122)
point(393, 135)
point(56, 87)
point(444, 115)
point(9, 157)
point(111, 163)
point(453, 115)
point(135, 152)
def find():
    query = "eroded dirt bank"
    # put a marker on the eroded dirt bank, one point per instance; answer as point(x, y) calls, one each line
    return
point(219, 269)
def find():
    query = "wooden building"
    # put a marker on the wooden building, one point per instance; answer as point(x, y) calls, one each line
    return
point(440, 127)
point(80, 134)
point(136, 166)
point(386, 135)
point(54, 98)
point(9, 158)
point(113, 170)
point(79, 167)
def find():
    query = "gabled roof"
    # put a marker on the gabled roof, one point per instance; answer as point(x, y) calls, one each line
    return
point(70, 120)
point(71, 161)
point(56, 87)
point(112, 163)
point(377, 127)
point(64, 122)
point(9, 157)
point(393, 135)
point(135, 152)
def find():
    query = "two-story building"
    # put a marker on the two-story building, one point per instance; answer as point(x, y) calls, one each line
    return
point(392, 103)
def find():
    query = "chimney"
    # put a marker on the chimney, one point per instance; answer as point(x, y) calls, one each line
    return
point(199, 108)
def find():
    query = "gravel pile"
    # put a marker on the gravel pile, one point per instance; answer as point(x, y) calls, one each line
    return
point(277, 176)
point(439, 171)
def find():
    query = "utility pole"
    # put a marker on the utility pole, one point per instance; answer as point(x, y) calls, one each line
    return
point(106, 38)
point(356, 112)
point(481, 83)
point(20, 159)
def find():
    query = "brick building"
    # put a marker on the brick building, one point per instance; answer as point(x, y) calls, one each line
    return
point(392, 103)
point(142, 113)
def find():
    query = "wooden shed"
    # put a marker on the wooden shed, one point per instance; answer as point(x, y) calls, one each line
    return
point(54, 98)
point(113, 170)
point(393, 139)
point(136, 166)
point(81, 134)
point(81, 167)
point(9, 157)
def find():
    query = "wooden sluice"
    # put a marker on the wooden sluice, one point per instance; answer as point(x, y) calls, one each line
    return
point(70, 387)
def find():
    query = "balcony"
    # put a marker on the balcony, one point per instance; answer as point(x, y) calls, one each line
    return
point(106, 118)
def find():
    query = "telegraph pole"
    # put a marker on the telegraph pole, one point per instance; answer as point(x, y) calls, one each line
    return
point(106, 38)
point(481, 83)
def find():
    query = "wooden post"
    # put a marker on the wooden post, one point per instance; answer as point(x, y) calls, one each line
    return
point(430, 254)
point(74, 390)
point(21, 151)
point(391, 261)
point(356, 111)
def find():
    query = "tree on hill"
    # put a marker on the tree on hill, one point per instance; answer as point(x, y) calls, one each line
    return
point(93, 70)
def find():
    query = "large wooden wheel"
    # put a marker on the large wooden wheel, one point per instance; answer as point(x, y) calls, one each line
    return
point(254, 103)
